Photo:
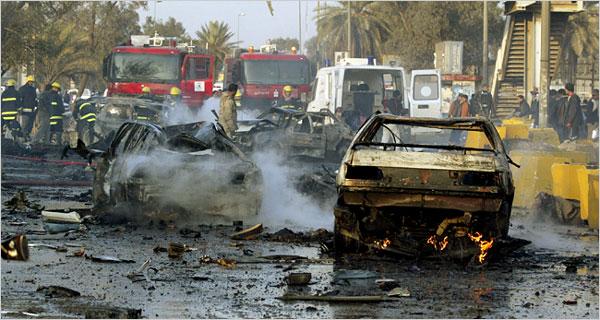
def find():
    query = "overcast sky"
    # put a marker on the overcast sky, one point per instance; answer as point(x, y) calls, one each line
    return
point(256, 26)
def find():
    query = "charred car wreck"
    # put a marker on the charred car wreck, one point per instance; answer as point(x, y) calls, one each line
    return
point(296, 133)
point(411, 186)
point(191, 169)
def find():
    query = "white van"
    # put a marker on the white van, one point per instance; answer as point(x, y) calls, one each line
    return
point(372, 88)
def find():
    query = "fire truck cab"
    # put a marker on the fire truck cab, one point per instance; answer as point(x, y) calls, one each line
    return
point(160, 64)
point(262, 75)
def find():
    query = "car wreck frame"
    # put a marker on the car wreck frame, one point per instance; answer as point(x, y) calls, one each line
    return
point(419, 199)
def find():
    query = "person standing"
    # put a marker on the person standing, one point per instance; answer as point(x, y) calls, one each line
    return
point(227, 111)
point(474, 106)
point(57, 109)
point(552, 110)
point(460, 109)
point(29, 104)
point(10, 109)
point(85, 113)
point(573, 115)
point(487, 102)
point(535, 107)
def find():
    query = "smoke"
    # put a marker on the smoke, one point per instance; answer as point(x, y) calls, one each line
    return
point(183, 114)
point(282, 204)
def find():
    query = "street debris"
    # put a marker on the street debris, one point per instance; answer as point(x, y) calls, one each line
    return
point(344, 274)
point(58, 292)
point(189, 233)
point(399, 292)
point(298, 278)
point(561, 210)
point(341, 299)
point(20, 203)
point(175, 250)
point(223, 262)
point(15, 248)
point(53, 228)
point(386, 284)
point(112, 312)
point(61, 217)
point(108, 259)
point(287, 235)
point(251, 233)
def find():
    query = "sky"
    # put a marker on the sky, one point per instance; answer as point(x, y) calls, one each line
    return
point(256, 26)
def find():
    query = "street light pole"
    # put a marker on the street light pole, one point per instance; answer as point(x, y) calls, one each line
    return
point(238, 28)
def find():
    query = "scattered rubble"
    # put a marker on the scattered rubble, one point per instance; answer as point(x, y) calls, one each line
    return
point(298, 278)
point(251, 233)
point(58, 292)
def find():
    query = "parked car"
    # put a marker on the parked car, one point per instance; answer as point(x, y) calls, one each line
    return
point(411, 186)
point(296, 133)
point(193, 170)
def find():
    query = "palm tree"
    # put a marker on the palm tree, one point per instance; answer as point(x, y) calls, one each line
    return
point(215, 35)
point(368, 27)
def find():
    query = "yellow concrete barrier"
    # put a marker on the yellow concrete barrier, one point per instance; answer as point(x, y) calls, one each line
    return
point(516, 120)
point(516, 131)
point(564, 181)
point(501, 132)
point(534, 176)
point(588, 190)
point(544, 135)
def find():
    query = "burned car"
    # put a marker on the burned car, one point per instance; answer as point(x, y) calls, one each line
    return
point(193, 170)
point(112, 112)
point(411, 186)
point(296, 133)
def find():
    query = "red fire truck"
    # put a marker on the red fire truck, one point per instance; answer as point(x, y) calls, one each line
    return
point(146, 62)
point(262, 75)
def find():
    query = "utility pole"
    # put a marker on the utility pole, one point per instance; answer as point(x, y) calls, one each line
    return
point(484, 71)
point(349, 32)
point(545, 64)
point(319, 42)
point(299, 27)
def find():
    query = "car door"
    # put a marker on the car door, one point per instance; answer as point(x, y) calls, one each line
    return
point(426, 93)
point(197, 78)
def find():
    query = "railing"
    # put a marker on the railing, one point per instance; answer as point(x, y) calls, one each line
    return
point(502, 56)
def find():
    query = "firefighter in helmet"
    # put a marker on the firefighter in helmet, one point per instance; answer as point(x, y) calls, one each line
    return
point(85, 113)
point(57, 109)
point(10, 109)
point(287, 101)
point(174, 97)
point(28, 104)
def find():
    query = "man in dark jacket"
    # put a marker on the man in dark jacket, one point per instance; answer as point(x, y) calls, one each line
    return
point(57, 109)
point(573, 115)
point(487, 102)
point(552, 108)
point(28, 104)
point(474, 106)
point(535, 107)
point(561, 109)
point(10, 109)
point(523, 109)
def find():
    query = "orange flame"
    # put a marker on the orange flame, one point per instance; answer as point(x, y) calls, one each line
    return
point(442, 244)
point(484, 245)
point(383, 243)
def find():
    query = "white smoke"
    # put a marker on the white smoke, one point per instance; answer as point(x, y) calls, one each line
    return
point(282, 204)
point(183, 114)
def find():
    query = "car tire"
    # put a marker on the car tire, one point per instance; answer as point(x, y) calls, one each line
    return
point(503, 219)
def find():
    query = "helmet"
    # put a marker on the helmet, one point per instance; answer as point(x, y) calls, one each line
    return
point(56, 85)
point(10, 83)
point(287, 89)
point(146, 90)
point(30, 78)
point(175, 91)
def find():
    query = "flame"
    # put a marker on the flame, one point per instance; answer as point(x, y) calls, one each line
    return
point(484, 245)
point(383, 243)
point(441, 244)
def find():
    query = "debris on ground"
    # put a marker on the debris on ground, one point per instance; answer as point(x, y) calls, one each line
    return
point(108, 259)
point(561, 210)
point(112, 312)
point(20, 203)
point(58, 292)
point(223, 262)
point(53, 228)
point(61, 217)
point(251, 233)
point(287, 235)
point(189, 233)
point(343, 274)
point(399, 292)
point(386, 284)
point(15, 248)
point(176, 250)
point(326, 298)
point(298, 278)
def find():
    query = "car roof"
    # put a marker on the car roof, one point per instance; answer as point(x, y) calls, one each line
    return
point(432, 121)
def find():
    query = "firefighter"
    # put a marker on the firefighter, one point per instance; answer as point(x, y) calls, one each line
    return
point(28, 104)
point(227, 111)
point(287, 101)
point(57, 109)
point(85, 112)
point(10, 109)
point(174, 98)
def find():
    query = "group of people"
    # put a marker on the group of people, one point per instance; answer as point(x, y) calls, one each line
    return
point(46, 111)
point(567, 116)
point(481, 104)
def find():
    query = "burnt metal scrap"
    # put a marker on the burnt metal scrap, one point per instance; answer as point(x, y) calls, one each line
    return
point(296, 133)
point(190, 169)
point(411, 187)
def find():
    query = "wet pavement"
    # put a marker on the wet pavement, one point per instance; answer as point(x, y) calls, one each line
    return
point(531, 282)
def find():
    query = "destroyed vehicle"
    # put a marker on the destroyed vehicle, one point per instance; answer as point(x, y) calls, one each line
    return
point(192, 170)
point(112, 112)
point(411, 186)
point(296, 133)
